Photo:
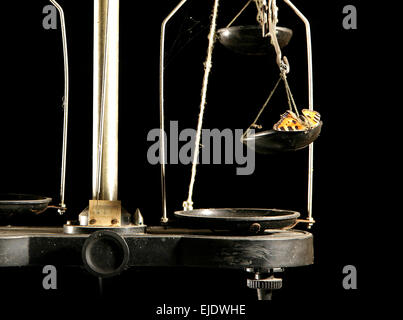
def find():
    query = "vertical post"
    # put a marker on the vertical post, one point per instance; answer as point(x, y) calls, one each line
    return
point(105, 100)
point(62, 205)
point(164, 218)
point(310, 97)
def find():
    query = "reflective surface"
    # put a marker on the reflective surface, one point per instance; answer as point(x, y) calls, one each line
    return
point(248, 39)
point(241, 220)
point(272, 141)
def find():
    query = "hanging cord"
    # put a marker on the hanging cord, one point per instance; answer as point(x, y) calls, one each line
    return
point(238, 14)
point(291, 102)
point(268, 14)
point(262, 18)
point(62, 206)
point(282, 61)
point(272, 21)
point(188, 204)
point(253, 125)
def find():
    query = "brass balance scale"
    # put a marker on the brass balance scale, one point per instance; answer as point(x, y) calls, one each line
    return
point(108, 239)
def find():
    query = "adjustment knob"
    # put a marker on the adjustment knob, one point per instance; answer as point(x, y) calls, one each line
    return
point(270, 283)
point(105, 254)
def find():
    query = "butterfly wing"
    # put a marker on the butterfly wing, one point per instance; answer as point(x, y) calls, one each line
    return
point(313, 117)
point(289, 122)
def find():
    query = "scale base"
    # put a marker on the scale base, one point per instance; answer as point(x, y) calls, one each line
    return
point(106, 253)
point(160, 246)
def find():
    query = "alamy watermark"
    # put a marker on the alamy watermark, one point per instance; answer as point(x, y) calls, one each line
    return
point(217, 147)
point(350, 280)
point(50, 20)
point(350, 20)
point(49, 282)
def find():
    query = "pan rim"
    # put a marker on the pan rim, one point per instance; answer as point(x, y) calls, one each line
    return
point(252, 26)
point(289, 214)
point(272, 131)
point(30, 198)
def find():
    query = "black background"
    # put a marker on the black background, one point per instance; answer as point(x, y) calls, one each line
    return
point(348, 72)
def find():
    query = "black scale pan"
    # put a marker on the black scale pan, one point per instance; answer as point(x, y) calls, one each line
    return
point(272, 141)
point(19, 206)
point(239, 220)
point(248, 40)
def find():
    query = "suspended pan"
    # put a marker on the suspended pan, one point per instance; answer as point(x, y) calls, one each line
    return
point(15, 206)
point(240, 220)
point(249, 40)
point(272, 141)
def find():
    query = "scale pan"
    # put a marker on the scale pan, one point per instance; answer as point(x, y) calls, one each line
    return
point(239, 220)
point(248, 40)
point(272, 141)
point(14, 206)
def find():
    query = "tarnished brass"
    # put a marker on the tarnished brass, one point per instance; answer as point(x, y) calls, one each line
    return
point(105, 213)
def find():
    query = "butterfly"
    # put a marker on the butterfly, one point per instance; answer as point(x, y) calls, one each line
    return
point(289, 121)
point(312, 117)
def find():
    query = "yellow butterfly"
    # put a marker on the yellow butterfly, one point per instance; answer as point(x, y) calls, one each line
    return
point(312, 117)
point(289, 121)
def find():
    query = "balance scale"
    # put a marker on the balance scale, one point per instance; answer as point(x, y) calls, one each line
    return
point(107, 239)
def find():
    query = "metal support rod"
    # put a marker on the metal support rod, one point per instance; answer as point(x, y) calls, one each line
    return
point(310, 99)
point(105, 100)
point(62, 205)
point(164, 218)
point(102, 111)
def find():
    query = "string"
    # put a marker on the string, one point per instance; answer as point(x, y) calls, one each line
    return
point(281, 61)
point(188, 204)
point(262, 109)
point(291, 101)
point(238, 14)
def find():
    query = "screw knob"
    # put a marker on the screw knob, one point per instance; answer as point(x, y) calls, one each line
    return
point(270, 283)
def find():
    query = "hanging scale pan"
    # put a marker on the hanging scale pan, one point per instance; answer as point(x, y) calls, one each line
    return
point(285, 136)
point(248, 40)
point(271, 141)
point(293, 131)
point(21, 205)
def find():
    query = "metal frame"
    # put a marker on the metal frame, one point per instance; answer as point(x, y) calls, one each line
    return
point(62, 205)
point(164, 218)
point(310, 105)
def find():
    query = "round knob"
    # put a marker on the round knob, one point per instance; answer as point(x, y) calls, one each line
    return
point(270, 283)
point(105, 254)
